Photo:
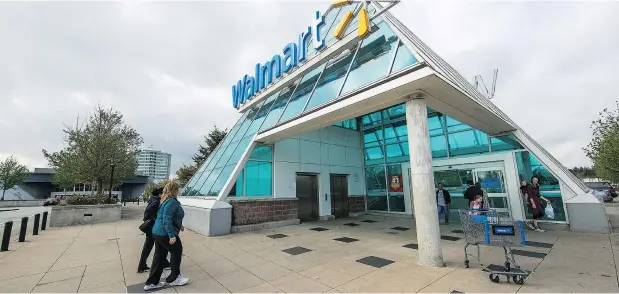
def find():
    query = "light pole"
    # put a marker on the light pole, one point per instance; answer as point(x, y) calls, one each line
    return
point(109, 197)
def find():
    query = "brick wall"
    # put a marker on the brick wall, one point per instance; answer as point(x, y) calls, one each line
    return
point(356, 204)
point(249, 212)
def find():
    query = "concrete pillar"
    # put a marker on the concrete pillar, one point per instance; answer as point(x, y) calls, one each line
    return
point(422, 179)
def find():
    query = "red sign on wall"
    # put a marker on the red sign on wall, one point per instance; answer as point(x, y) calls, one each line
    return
point(395, 183)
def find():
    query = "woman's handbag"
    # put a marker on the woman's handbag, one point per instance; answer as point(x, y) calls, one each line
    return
point(146, 226)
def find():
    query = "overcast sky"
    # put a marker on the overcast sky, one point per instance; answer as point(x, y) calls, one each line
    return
point(169, 67)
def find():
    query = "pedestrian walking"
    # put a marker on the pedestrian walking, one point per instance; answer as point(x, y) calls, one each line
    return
point(534, 202)
point(150, 214)
point(168, 225)
point(443, 200)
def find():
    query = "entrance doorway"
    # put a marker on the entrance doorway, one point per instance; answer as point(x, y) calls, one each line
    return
point(339, 195)
point(307, 193)
point(493, 183)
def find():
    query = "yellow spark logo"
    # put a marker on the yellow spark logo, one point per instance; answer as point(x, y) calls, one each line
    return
point(364, 21)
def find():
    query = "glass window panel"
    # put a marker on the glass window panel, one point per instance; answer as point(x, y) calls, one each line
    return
point(221, 180)
point(455, 181)
point(239, 150)
point(468, 142)
point(529, 166)
point(354, 24)
point(370, 120)
point(234, 129)
point(250, 117)
point(397, 152)
point(188, 190)
point(223, 161)
point(503, 143)
point(396, 132)
point(376, 185)
point(403, 59)
point(348, 124)
point(278, 106)
point(330, 38)
point(434, 125)
point(438, 146)
point(396, 195)
point(375, 180)
point(208, 182)
point(373, 137)
point(331, 80)
point(395, 112)
point(373, 155)
point(258, 178)
point(262, 153)
point(454, 125)
point(324, 29)
point(237, 189)
point(216, 157)
point(301, 94)
point(372, 60)
point(260, 115)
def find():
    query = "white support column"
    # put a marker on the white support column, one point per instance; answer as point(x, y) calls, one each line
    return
point(422, 179)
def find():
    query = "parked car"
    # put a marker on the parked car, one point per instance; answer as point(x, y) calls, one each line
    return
point(603, 190)
point(51, 202)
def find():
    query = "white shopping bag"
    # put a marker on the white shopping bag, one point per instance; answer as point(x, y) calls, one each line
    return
point(550, 212)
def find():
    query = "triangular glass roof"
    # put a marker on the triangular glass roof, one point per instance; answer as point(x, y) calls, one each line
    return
point(389, 49)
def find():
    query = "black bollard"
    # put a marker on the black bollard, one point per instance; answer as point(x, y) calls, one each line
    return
point(6, 236)
point(44, 221)
point(35, 229)
point(23, 228)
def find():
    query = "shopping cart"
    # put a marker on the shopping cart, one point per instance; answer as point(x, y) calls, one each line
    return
point(491, 228)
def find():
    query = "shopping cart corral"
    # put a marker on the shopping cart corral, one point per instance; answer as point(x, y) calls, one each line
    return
point(491, 228)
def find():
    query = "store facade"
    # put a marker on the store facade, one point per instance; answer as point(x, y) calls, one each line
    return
point(359, 116)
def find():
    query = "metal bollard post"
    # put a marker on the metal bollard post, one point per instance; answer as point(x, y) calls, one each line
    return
point(44, 221)
point(6, 236)
point(23, 228)
point(35, 229)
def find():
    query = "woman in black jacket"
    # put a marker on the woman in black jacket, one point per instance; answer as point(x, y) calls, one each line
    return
point(150, 213)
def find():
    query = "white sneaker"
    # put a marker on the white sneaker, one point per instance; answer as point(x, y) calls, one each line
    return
point(180, 281)
point(530, 225)
point(540, 230)
point(153, 286)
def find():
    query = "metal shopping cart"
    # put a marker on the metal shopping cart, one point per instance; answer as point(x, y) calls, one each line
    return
point(488, 227)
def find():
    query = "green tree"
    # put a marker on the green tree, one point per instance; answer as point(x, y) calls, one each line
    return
point(603, 150)
point(211, 141)
point(185, 173)
point(583, 172)
point(93, 145)
point(12, 173)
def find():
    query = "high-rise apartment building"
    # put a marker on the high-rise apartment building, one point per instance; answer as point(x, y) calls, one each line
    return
point(154, 163)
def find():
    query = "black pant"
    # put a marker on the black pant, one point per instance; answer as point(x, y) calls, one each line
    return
point(162, 247)
point(149, 242)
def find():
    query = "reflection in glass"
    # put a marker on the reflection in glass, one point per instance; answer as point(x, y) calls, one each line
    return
point(261, 115)
point(468, 142)
point(301, 94)
point(372, 60)
point(403, 59)
point(221, 180)
point(331, 80)
point(258, 178)
point(278, 106)
point(504, 143)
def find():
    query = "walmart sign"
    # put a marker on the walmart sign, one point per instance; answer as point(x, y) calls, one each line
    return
point(293, 54)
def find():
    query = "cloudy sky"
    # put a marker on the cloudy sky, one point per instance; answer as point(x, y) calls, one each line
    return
point(168, 66)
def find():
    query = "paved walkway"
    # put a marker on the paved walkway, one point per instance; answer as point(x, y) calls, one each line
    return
point(366, 254)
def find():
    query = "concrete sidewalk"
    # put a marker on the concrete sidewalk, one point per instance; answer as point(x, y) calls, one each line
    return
point(366, 254)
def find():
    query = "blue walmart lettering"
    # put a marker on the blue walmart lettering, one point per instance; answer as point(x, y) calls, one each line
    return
point(293, 55)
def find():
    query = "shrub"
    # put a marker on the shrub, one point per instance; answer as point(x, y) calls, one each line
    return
point(90, 200)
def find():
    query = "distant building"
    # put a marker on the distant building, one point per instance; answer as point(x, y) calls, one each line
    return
point(39, 185)
point(154, 163)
